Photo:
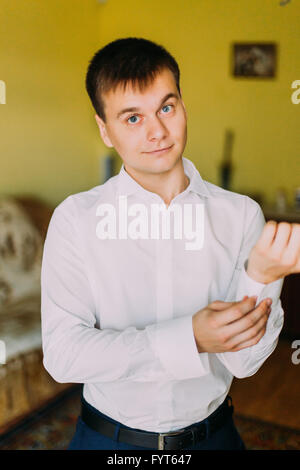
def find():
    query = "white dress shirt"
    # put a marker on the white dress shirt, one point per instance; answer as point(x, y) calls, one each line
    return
point(117, 312)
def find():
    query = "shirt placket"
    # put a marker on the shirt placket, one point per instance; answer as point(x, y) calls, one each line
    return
point(164, 311)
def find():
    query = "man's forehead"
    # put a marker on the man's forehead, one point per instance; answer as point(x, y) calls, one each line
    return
point(134, 95)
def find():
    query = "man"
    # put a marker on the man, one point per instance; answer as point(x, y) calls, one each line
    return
point(156, 322)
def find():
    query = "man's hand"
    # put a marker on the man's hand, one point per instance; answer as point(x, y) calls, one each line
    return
point(276, 254)
point(230, 326)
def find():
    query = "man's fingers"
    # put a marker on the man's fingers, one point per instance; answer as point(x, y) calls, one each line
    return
point(292, 252)
point(250, 342)
point(249, 326)
point(282, 238)
point(233, 310)
point(268, 234)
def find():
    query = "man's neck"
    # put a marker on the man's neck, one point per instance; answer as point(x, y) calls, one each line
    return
point(167, 185)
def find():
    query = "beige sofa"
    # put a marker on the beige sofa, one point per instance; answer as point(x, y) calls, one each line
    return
point(25, 385)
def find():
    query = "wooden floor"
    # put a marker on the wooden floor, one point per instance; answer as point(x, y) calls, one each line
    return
point(273, 393)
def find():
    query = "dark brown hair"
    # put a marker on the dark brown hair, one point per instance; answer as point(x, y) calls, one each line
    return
point(129, 60)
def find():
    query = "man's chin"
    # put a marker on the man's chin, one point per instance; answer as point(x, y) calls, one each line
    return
point(162, 164)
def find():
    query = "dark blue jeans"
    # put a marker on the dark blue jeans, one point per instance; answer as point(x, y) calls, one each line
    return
point(85, 438)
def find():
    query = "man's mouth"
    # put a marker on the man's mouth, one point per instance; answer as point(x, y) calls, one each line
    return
point(159, 151)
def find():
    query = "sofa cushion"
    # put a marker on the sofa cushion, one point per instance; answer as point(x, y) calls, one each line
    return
point(21, 248)
point(20, 326)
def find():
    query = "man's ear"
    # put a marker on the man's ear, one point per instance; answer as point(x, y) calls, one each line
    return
point(103, 131)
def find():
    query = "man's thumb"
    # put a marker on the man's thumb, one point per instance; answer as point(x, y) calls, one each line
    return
point(219, 304)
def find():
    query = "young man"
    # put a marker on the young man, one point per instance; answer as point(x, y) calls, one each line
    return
point(155, 319)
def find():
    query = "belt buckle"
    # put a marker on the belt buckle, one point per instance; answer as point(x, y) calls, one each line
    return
point(161, 436)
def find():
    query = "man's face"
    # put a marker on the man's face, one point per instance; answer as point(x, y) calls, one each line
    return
point(158, 121)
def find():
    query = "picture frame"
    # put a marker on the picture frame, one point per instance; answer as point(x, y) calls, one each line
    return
point(256, 60)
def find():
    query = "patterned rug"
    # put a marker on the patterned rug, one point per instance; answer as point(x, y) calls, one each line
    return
point(54, 427)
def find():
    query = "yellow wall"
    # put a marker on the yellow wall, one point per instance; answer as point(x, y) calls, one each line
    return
point(50, 144)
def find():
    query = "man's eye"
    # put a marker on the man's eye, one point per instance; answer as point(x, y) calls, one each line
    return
point(167, 106)
point(132, 117)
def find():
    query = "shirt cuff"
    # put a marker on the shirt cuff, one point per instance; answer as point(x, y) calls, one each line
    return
point(250, 287)
point(176, 348)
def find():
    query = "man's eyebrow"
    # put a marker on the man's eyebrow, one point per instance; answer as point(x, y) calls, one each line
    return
point(129, 110)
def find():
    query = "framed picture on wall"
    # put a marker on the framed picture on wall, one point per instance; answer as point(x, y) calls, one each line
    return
point(254, 60)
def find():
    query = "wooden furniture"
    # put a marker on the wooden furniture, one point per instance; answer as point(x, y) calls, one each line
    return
point(290, 294)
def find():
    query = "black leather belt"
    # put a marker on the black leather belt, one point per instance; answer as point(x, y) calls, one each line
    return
point(173, 440)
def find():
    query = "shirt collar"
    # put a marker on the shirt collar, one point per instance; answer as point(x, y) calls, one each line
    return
point(127, 185)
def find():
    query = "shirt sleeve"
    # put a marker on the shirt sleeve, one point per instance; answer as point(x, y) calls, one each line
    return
point(75, 350)
point(247, 361)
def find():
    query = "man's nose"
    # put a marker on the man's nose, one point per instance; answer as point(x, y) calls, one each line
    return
point(156, 129)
